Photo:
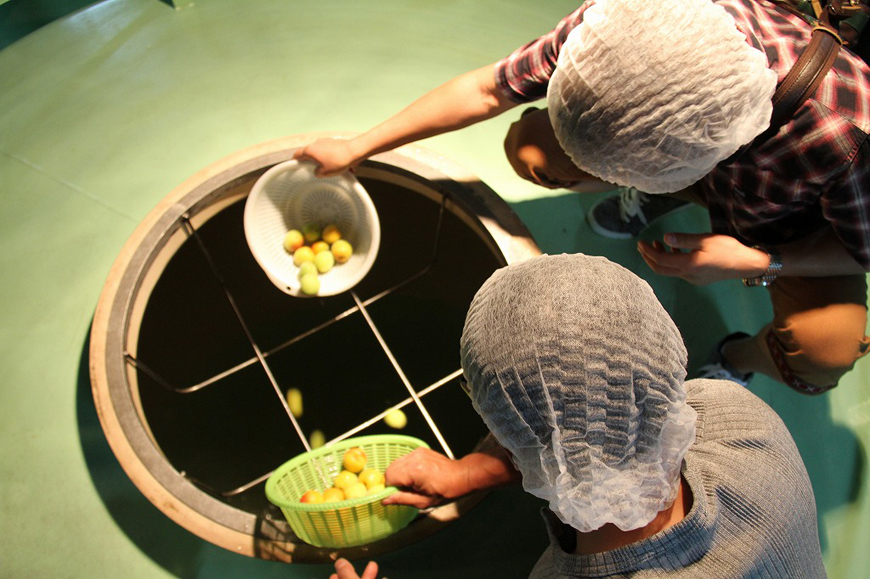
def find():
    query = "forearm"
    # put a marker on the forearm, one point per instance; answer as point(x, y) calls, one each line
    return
point(703, 258)
point(819, 255)
point(463, 101)
point(489, 466)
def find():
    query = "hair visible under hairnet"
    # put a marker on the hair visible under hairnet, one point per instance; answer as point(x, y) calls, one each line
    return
point(578, 371)
point(654, 94)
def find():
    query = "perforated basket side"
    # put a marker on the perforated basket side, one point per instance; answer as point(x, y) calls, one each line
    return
point(349, 526)
point(289, 196)
point(350, 522)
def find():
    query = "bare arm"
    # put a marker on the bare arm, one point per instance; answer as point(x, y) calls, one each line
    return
point(818, 255)
point(490, 465)
point(708, 257)
point(465, 100)
point(429, 478)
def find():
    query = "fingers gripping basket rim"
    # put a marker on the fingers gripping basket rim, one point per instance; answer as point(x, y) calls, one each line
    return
point(290, 196)
point(346, 523)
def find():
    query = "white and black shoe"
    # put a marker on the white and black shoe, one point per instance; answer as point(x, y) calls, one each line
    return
point(718, 368)
point(625, 215)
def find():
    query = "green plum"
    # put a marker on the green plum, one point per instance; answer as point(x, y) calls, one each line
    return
point(306, 268)
point(311, 232)
point(324, 261)
point(310, 284)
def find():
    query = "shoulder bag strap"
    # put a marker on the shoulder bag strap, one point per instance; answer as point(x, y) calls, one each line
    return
point(801, 81)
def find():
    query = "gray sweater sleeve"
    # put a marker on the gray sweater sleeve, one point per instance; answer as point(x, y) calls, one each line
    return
point(755, 484)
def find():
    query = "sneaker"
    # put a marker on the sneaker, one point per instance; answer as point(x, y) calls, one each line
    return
point(626, 215)
point(718, 368)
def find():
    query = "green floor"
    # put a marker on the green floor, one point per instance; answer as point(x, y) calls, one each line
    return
point(105, 111)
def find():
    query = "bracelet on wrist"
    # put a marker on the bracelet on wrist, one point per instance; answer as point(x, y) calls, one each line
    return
point(772, 271)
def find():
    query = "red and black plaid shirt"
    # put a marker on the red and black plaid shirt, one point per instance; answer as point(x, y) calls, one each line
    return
point(814, 171)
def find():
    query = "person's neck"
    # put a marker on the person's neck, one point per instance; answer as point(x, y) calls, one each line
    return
point(611, 537)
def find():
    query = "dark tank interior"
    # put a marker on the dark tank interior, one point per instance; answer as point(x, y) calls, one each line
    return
point(210, 404)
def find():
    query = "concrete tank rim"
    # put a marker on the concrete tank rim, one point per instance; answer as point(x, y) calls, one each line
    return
point(175, 496)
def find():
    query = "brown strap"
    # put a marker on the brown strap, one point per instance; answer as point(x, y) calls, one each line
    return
point(800, 83)
point(806, 75)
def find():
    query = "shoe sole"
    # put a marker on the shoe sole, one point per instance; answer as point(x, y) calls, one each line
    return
point(604, 232)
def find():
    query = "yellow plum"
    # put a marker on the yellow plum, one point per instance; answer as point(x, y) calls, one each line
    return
point(341, 250)
point(355, 491)
point(371, 477)
point(312, 496)
point(354, 459)
point(396, 419)
point(375, 489)
point(293, 240)
point(302, 255)
point(317, 439)
point(294, 402)
point(333, 495)
point(344, 479)
point(319, 246)
point(331, 234)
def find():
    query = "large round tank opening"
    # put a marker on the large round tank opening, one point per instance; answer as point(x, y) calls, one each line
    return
point(193, 349)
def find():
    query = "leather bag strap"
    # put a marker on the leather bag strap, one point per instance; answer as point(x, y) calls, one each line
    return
point(800, 83)
point(806, 75)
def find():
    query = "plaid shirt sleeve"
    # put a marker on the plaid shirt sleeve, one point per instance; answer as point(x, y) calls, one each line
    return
point(846, 206)
point(816, 171)
point(524, 74)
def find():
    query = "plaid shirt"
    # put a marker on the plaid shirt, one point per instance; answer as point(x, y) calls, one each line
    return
point(814, 171)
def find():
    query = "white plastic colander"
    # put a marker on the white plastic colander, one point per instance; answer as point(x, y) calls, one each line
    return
point(290, 196)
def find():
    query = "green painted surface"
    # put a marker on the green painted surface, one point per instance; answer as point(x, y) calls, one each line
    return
point(106, 110)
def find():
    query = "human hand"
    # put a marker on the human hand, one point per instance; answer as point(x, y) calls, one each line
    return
point(428, 477)
point(344, 570)
point(708, 257)
point(332, 155)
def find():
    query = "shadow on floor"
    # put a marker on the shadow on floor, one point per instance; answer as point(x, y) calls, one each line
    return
point(833, 455)
point(162, 540)
point(18, 18)
point(558, 225)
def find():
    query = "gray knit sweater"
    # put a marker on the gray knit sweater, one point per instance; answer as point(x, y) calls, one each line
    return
point(753, 512)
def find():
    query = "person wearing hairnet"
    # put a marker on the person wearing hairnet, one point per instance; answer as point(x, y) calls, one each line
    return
point(579, 374)
point(659, 97)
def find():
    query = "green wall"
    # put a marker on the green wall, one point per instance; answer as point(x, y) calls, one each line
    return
point(21, 17)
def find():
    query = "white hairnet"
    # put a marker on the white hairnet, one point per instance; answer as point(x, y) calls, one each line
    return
point(578, 371)
point(654, 94)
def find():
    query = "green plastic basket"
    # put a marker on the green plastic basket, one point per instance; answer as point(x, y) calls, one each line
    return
point(350, 522)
